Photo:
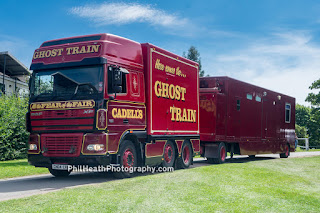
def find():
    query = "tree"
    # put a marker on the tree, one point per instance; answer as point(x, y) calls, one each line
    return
point(194, 55)
point(313, 98)
point(301, 131)
point(303, 115)
point(314, 122)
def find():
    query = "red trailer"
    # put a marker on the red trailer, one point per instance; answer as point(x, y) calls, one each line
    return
point(102, 99)
point(241, 118)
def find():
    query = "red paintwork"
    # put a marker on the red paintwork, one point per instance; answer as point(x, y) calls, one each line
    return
point(168, 153)
point(186, 154)
point(222, 153)
point(259, 127)
point(59, 145)
point(158, 108)
point(179, 145)
point(155, 149)
point(128, 158)
point(34, 139)
point(94, 138)
point(195, 144)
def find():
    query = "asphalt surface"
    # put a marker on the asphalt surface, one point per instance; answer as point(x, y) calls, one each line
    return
point(13, 188)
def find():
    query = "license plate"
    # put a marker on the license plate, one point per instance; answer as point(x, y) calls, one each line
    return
point(60, 166)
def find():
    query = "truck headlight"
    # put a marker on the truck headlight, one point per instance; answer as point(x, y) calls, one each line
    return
point(33, 147)
point(95, 147)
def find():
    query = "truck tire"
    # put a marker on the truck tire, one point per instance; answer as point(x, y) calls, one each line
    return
point(186, 158)
point(222, 154)
point(59, 173)
point(287, 152)
point(169, 155)
point(252, 156)
point(128, 158)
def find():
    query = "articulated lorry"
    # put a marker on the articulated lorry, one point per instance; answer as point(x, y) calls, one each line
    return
point(106, 100)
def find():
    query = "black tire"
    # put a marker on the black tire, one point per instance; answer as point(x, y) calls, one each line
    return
point(186, 158)
point(128, 158)
point(59, 173)
point(252, 156)
point(286, 153)
point(169, 155)
point(222, 155)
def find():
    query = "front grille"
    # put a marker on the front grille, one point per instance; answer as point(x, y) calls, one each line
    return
point(61, 145)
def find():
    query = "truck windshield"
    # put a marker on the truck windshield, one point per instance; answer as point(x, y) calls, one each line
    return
point(67, 84)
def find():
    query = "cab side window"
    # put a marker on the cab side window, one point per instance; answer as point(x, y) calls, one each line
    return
point(116, 78)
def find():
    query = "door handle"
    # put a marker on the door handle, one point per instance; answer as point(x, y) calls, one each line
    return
point(125, 121)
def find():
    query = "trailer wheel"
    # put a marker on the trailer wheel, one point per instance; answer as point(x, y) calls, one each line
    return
point(287, 152)
point(169, 155)
point(59, 173)
point(128, 159)
point(222, 154)
point(186, 158)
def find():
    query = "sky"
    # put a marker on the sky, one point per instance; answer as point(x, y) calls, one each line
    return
point(270, 43)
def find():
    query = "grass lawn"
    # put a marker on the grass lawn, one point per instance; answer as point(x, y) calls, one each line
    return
point(303, 150)
point(277, 185)
point(17, 168)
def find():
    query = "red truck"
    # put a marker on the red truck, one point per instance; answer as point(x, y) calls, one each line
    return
point(106, 100)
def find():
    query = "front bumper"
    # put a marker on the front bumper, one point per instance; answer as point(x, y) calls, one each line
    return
point(38, 160)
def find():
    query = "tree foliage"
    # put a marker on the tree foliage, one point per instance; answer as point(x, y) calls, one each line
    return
point(301, 131)
point(313, 98)
point(194, 55)
point(309, 117)
point(13, 134)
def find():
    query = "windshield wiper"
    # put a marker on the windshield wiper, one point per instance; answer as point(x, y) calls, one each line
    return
point(89, 87)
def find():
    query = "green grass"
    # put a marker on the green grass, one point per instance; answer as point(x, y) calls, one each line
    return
point(18, 168)
point(277, 185)
point(303, 150)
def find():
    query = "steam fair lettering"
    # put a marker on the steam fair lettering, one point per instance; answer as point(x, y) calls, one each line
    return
point(62, 105)
point(127, 113)
point(175, 92)
point(69, 51)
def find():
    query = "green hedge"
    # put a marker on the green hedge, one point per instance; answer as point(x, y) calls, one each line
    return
point(13, 134)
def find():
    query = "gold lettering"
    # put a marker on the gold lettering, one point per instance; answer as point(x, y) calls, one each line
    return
point(54, 52)
point(48, 53)
point(60, 51)
point(69, 50)
point(83, 50)
point(172, 92)
point(36, 55)
point(157, 88)
point(75, 50)
point(114, 112)
point(165, 88)
point(158, 65)
point(183, 91)
point(172, 110)
point(95, 48)
point(41, 54)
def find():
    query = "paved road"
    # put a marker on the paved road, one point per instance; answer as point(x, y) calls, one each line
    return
point(38, 184)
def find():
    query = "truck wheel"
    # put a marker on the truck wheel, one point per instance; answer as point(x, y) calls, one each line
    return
point(186, 156)
point(59, 173)
point(252, 156)
point(222, 154)
point(287, 152)
point(128, 159)
point(169, 155)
